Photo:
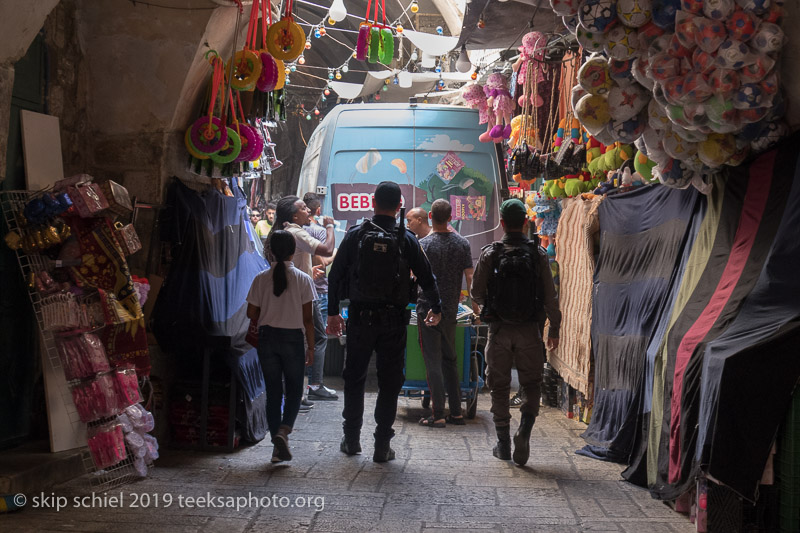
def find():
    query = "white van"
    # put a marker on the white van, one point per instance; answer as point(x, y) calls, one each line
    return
point(431, 151)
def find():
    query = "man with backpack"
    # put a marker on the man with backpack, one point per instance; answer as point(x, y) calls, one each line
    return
point(372, 270)
point(512, 284)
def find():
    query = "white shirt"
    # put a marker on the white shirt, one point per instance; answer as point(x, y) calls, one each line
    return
point(286, 310)
point(306, 247)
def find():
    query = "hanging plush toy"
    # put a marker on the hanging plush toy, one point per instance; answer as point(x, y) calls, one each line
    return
point(531, 56)
point(475, 98)
point(499, 99)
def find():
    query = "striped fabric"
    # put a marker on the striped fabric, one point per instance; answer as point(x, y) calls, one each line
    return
point(577, 231)
point(734, 319)
point(643, 234)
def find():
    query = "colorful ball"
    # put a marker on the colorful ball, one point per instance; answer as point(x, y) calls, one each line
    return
point(663, 67)
point(723, 80)
point(659, 45)
point(674, 173)
point(592, 111)
point(695, 88)
point(716, 149)
point(677, 147)
point(634, 13)
point(758, 70)
point(605, 136)
point(647, 34)
point(695, 115)
point(621, 71)
point(692, 6)
point(770, 84)
point(598, 15)
point(769, 136)
point(658, 94)
point(710, 34)
point(664, 13)
point(749, 96)
point(657, 116)
point(732, 54)
point(741, 25)
point(720, 110)
point(675, 90)
point(627, 131)
point(592, 41)
point(564, 8)
point(677, 49)
point(751, 116)
point(639, 70)
point(768, 38)
point(571, 23)
point(702, 61)
point(718, 9)
point(758, 7)
point(622, 42)
point(626, 102)
point(685, 29)
point(594, 77)
point(578, 92)
point(722, 128)
point(687, 134)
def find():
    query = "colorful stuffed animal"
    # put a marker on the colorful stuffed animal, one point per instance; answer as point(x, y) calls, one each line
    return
point(499, 99)
point(531, 56)
point(475, 98)
point(516, 133)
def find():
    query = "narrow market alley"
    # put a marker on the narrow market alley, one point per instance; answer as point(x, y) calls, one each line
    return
point(442, 480)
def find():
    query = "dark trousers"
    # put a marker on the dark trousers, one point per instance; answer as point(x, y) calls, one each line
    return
point(441, 366)
point(520, 344)
point(388, 339)
point(282, 356)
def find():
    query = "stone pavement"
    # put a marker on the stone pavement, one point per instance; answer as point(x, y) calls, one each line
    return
point(442, 480)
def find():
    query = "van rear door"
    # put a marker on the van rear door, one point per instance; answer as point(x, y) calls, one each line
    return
point(369, 146)
point(451, 163)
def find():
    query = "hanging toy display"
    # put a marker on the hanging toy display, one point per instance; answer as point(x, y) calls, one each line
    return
point(286, 39)
point(375, 42)
point(252, 67)
point(531, 57)
point(499, 99)
point(475, 98)
point(695, 83)
point(208, 134)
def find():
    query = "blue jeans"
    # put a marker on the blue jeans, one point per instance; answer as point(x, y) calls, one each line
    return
point(320, 313)
point(282, 356)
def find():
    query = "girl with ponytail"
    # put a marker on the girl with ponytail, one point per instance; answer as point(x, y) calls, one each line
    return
point(280, 300)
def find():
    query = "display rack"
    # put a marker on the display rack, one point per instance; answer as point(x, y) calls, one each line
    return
point(66, 429)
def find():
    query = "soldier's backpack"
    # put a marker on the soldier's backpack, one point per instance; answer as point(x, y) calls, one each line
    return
point(513, 285)
point(381, 274)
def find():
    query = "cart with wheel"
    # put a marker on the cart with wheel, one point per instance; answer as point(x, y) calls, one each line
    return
point(470, 367)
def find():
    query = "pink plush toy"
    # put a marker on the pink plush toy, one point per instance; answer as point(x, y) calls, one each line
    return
point(475, 97)
point(531, 55)
point(499, 99)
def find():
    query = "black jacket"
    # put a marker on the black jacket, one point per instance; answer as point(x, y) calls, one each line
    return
point(347, 255)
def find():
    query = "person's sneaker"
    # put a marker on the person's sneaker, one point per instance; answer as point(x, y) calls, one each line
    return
point(322, 393)
point(516, 400)
point(304, 408)
point(306, 403)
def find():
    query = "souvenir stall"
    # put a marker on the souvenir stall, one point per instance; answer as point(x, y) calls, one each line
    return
point(72, 241)
point(664, 177)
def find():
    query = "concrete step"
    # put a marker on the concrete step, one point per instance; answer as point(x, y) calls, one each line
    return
point(31, 467)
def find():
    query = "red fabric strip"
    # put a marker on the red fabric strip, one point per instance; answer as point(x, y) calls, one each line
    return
point(755, 202)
